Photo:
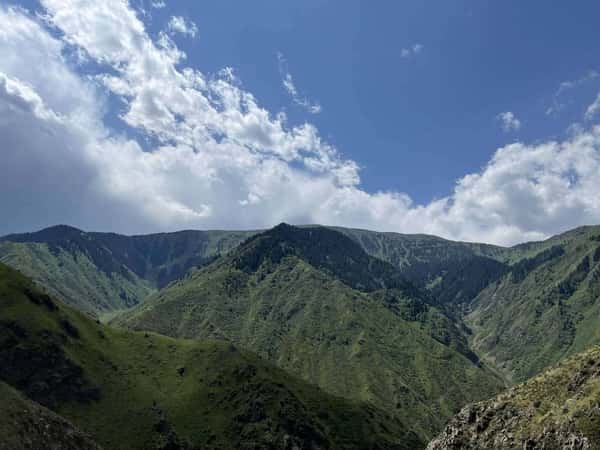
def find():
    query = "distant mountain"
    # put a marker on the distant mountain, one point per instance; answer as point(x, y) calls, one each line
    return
point(546, 307)
point(453, 272)
point(502, 300)
point(145, 391)
point(558, 409)
point(312, 301)
point(527, 306)
point(104, 272)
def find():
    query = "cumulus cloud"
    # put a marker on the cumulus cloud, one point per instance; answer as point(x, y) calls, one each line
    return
point(509, 121)
point(290, 87)
point(178, 24)
point(415, 49)
point(218, 159)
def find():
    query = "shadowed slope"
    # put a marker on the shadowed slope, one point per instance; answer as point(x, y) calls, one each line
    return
point(104, 272)
point(27, 425)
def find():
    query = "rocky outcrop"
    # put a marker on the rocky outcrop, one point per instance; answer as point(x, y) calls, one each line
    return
point(560, 409)
point(500, 426)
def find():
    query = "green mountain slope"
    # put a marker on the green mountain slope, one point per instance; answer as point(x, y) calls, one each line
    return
point(27, 425)
point(311, 301)
point(528, 306)
point(453, 272)
point(104, 272)
point(558, 409)
point(107, 272)
point(545, 308)
point(142, 390)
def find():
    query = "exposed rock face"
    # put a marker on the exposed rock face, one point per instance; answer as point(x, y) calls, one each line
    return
point(560, 409)
point(499, 426)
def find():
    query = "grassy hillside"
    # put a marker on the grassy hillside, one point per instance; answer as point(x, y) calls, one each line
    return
point(558, 409)
point(143, 391)
point(506, 300)
point(319, 307)
point(404, 250)
point(70, 274)
point(545, 308)
point(106, 272)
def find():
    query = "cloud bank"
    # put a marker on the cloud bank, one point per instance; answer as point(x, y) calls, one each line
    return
point(196, 150)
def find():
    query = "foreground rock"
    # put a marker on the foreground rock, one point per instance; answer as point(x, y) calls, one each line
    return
point(560, 409)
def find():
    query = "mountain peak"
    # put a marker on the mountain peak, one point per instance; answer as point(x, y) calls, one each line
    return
point(50, 234)
point(323, 248)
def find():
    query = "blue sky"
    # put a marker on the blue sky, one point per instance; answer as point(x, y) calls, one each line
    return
point(467, 119)
point(415, 124)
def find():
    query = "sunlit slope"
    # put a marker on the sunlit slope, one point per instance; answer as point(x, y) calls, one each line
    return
point(555, 410)
point(313, 302)
point(545, 308)
point(141, 390)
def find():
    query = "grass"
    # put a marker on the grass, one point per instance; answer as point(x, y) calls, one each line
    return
point(398, 353)
point(546, 308)
point(223, 397)
point(103, 273)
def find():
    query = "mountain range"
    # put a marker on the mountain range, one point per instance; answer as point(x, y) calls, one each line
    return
point(394, 332)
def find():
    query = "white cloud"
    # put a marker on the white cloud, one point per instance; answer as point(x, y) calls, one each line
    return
point(509, 121)
point(557, 101)
point(290, 87)
point(411, 51)
point(221, 160)
point(158, 4)
point(178, 24)
point(591, 110)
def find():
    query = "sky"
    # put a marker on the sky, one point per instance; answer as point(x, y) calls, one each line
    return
point(471, 120)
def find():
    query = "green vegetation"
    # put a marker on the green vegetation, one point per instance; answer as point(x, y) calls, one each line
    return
point(413, 325)
point(142, 390)
point(526, 306)
point(453, 272)
point(547, 307)
point(105, 272)
point(311, 301)
point(556, 410)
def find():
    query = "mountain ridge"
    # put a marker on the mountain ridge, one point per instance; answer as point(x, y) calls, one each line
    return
point(412, 324)
point(372, 343)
